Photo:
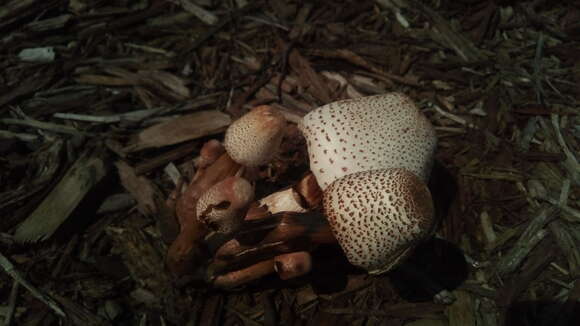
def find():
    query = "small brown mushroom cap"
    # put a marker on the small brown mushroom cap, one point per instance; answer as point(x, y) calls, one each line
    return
point(377, 216)
point(253, 139)
point(368, 133)
point(223, 206)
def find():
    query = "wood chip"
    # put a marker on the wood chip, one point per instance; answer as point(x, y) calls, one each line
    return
point(177, 130)
point(82, 177)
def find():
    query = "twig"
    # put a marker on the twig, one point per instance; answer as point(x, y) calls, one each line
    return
point(487, 227)
point(540, 94)
point(565, 209)
point(560, 269)
point(566, 242)
point(129, 116)
point(357, 60)
point(562, 284)
point(203, 15)
point(564, 192)
point(88, 118)
point(11, 304)
point(454, 117)
point(571, 162)
point(6, 239)
point(528, 134)
point(531, 236)
point(247, 320)
point(37, 293)
point(5, 134)
point(44, 125)
point(399, 310)
point(284, 69)
point(265, 21)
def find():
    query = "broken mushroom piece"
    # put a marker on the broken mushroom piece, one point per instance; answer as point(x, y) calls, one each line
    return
point(223, 207)
point(253, 139)
point(378, 216)
point(375, 132)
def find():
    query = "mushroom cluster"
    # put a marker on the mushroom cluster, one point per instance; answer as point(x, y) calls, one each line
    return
point(218, 196)
point(370, 159)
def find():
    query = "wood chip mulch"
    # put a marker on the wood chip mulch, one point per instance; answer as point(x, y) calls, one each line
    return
point(104, 106)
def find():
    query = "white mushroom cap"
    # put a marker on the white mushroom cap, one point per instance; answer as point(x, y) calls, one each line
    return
point(377, 216)
point(223, 206)
point(253, 139)
point(369, 133)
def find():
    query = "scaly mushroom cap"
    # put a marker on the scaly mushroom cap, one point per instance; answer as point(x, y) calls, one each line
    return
point(369, 133)
point(253, 139)
point(223, 207)
point(377, 216)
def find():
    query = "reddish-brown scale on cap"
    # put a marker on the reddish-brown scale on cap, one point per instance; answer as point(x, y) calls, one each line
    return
point(253, 139)
point(223, 207)
point(375, 132)
point(376, 216)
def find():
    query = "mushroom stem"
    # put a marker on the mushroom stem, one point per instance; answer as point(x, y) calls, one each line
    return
point(293, 265)
point(269, 237)
point(287, 266)
point(209, 153)
point(246, 275)
point(188, 246)
point(221, 169)
point(278, 224)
